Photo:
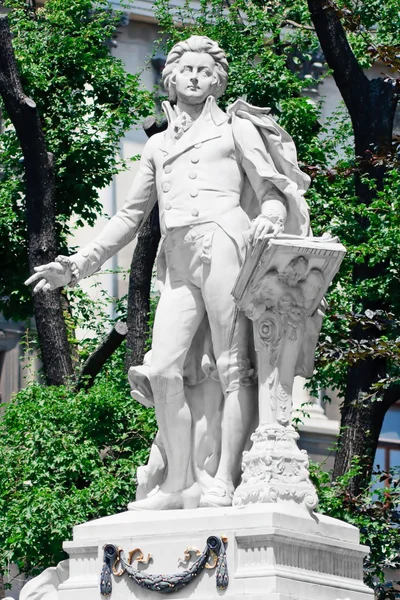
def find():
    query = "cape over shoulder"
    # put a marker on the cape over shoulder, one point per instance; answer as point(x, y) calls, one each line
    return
point(275, 159)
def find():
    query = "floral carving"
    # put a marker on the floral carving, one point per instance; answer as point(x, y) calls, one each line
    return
point(268, 330)
point(275, 469)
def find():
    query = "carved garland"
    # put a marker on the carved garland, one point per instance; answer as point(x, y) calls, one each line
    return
point(213, 555)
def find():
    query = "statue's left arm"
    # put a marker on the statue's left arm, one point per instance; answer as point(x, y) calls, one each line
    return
point(269, 158)
point(253, 157)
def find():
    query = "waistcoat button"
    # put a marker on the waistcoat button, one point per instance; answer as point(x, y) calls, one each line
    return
point(194, 193)
point(167, 169)
point(194, 158)
point(168, 206)
point(166, 187)
point(192, 175)
point(195, 212)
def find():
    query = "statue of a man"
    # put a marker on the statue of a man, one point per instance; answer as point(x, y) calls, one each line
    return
point(216, 176)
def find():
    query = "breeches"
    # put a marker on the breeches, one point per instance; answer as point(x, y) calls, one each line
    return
point(203, 263)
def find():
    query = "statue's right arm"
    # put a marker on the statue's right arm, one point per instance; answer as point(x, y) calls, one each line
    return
point(118, 232)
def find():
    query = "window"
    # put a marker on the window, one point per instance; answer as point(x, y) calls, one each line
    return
point(388, 451)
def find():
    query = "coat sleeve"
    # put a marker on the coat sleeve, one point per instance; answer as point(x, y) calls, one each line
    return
point(254, 158)
point(269, 158)
point(125, 224)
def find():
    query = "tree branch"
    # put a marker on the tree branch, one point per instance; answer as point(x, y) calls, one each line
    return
point(97, 359)
point(40, 209)
point(298, 25)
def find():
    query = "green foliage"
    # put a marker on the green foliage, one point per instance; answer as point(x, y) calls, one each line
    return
point(66, 458)
point(371, 235)
point(87, 101)
point(375, 512)
point(256, 50)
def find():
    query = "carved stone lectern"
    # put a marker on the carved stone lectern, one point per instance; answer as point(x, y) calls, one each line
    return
point(280, 288)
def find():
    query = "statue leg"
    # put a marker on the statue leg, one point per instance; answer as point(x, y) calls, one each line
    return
point(179, 313)
point(231, 336)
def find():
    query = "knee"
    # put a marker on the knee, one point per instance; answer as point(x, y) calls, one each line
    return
point(166, 381)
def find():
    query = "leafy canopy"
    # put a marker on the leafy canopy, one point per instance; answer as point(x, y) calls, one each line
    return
point(87, 101)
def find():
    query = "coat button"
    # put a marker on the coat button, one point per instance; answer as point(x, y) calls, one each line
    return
point(168, 206)
point(166, 187)
point(194, 158)
point(194, 193)
point(167, 169)
point(192, 175)
point(195, 212)
point(199, 145)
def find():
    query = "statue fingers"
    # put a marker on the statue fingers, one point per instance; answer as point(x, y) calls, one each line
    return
point(33, 278)
point(263, 229)
point(259, 226)
point(278, 227)
point(45, 271)
point(40, 286)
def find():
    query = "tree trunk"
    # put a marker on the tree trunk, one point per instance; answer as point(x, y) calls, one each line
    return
point(141, 275)
point(2, 587)
point(371, 105)
point(139, 289)
point(40, 211)
point(361, 420)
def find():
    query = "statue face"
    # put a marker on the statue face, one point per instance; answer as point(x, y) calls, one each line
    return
point(195, 77)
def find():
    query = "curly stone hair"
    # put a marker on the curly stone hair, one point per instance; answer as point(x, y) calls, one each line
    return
point(196, 43)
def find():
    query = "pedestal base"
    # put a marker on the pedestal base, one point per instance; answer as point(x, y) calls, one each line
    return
point(275, 470)
point(274, 552)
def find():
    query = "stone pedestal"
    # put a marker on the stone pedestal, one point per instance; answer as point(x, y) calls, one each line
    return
point(274, 552)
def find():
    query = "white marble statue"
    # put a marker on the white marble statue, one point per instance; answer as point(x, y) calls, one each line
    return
point(224, 182)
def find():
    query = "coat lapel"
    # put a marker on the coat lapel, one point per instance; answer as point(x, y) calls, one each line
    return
point(205, 128)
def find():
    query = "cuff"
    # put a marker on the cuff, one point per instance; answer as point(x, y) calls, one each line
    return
point(274, 210)
point(75, 263)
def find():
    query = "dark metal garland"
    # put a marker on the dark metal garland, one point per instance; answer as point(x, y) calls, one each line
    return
point(213, 555)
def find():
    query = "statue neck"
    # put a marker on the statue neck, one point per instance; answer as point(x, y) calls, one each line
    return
point(194, 111)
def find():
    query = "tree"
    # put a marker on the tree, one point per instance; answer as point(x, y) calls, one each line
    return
point(371, 105)
point(40, 208)
point(274, 49)
point(85, 102)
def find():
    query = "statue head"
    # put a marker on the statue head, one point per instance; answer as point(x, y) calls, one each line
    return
point(313, 284)
point(206, 59)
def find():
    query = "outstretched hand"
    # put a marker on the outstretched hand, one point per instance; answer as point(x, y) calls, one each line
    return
point(50, 276)
point(262, 227)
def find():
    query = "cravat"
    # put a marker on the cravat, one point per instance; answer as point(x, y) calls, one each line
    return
point(181, 124)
